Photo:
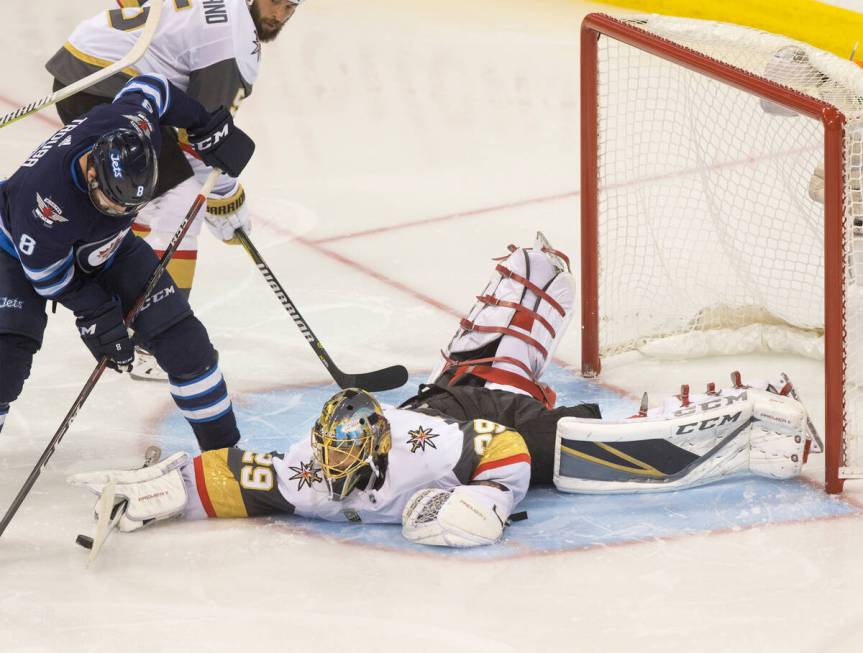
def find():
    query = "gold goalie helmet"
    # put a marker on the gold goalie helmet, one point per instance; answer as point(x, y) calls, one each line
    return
point(351, 439)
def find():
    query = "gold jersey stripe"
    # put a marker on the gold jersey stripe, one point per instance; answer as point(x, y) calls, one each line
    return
point(641, 469)
point(95, 61)
point(223, 489)
point(504, 445)
point(182, 271)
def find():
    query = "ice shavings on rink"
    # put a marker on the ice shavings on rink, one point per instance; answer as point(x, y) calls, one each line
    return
point(557, 522)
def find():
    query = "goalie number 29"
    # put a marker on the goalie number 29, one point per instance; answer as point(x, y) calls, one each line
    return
point(257, 473)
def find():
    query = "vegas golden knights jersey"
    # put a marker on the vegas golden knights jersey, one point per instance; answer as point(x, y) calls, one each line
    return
point(208, 48)
point(427, 452)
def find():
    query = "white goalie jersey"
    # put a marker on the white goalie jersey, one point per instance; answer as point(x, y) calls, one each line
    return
point(209, 49)
point(427, 452)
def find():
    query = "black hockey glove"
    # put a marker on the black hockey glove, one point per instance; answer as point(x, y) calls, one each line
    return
point(106, 335)
point(221, 144)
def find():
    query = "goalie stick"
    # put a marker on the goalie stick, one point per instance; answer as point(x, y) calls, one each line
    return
point(387, 378)
point(102, 364)
point(110, 513)
point(154, 12)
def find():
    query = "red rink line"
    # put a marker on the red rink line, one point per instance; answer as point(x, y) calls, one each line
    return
point(556, 198)
point(40, 115)
point(451, 216)
point(380, 276)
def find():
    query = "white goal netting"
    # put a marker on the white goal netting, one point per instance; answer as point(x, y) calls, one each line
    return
point(710, 218)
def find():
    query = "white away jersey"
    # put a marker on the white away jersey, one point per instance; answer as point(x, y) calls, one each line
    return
point(427, 452)
point(208, 48)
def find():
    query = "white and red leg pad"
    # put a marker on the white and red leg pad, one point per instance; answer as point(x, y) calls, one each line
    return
point(525, 309)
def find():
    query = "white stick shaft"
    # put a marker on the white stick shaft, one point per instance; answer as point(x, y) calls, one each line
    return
point(104, 526)
point(137, 51)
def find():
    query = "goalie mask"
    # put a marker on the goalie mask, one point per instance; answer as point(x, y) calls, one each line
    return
point(350, 440)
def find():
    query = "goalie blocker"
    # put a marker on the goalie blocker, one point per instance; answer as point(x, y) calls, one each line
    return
point(699, 440)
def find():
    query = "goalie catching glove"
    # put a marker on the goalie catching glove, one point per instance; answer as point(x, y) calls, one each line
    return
point(227, 212)
point(461, 517)
point(153, 493)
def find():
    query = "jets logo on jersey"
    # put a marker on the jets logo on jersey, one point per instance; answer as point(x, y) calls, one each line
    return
point(420, 438)
point(11, 302)
point(306, 474)
point(140, 122)
point(47, 211)
point(104, 249)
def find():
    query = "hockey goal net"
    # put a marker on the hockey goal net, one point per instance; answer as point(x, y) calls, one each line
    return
point(721, 203)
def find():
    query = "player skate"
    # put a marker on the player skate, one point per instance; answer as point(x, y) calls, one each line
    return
point(146, 367)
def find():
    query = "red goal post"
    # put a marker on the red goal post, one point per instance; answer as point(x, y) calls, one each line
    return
point(598, 211)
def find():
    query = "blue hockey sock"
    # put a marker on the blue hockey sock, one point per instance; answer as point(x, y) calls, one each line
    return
point(204, 402)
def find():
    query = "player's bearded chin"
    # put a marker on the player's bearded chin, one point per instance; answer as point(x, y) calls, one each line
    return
point(268, 29)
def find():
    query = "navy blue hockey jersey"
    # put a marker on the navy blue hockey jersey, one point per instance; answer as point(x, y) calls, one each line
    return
point(47, 221)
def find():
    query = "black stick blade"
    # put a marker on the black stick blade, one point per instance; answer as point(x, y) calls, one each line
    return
point(388, 378)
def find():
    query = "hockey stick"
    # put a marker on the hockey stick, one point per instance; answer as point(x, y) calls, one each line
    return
point(130, 318)
point(384, 379)
point(105, 524)
point(110, 512)
point(137, 51)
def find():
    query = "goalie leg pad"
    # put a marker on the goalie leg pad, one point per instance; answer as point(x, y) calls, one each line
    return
point(461, 517)
point(654, 454)
point(153, 493)
point(713, 437)
point(512, 332)
point(777, 436)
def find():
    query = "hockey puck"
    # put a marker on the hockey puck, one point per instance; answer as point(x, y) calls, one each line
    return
point(84, 540)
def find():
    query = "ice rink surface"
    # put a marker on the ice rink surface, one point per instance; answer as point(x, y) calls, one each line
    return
point(401, 145)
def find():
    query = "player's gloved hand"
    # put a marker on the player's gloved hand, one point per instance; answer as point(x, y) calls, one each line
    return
point(106, 335)
point(221, 144)
point(227, 212)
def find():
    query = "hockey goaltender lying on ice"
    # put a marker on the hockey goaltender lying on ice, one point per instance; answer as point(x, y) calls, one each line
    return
point(451, 463)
